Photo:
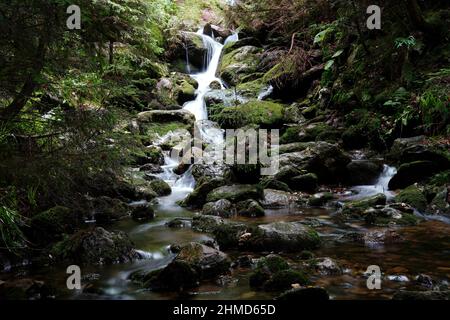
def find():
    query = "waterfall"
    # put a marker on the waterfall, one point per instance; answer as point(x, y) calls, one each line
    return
point(380, 186)
point(184, 184)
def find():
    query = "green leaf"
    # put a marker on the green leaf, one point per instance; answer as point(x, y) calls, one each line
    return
point(328, 65)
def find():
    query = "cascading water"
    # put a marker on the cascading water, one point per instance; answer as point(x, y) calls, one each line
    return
point(184, 184)
point(380, 186)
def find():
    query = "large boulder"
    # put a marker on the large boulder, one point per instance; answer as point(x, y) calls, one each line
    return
point(161, 187)
point(173, 91)
point(284, 236)
point(356, 208)
point(197, 198)
point(222, 208)
point(265, 114)
point(239, 64)
point(249, 208)
point(95, 247)
point(52, 224)
point(410, 173)
point(414, 197)
point(276, 199)
point(326, 160)
point(235, 193)
point(188, 52)
point(106, 210)
point(207, 223)
point(363, 172)
point(194, 262)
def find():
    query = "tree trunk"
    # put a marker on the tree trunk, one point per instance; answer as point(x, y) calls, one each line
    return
point(22, 97)
point(111, 52)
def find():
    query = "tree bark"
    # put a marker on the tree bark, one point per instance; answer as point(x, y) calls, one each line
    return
point(415, 15)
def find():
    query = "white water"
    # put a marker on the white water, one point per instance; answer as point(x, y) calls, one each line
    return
point(380, 186)
point(184, 184)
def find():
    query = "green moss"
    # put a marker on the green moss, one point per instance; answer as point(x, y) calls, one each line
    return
point(414, 197)
point(284, 280)
point(272, 263)
point(265, 114)
point(357, 207)
point(160, 187)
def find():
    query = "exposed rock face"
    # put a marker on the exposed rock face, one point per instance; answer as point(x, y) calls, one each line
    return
point(193, 263)
point(96, 246)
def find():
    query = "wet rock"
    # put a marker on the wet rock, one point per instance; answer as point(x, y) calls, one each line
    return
point(107, 210)
point(143, 213)
point(327, 266)
point(398, 278)
point(231, 235)
point(320, 199)
point(363, 172)
point(424, 280)
point(439, 204)
point(161, 187)
point(198, 197)
point(245, 261)
point(270, 183)
point(306, 182)
point(95, 247)
point(206, 224)
point(284, 236)
point(390, 215)
point(273, 273)
point(179, 223)
point(276, 199)
point(305, 294)
point(357, 208)
point(410, 173)
point(190, 44)
point(193, 263)
point(239, 63)
point(235, 193)
point(326, 160)
point(51, 225)
point(421, 295)
point(414, 197)
point(151, 168)
point(222, 208)
point(163, 116)
point(249, 208)
point(374, 238)
point(25, 289)
point(401, 144)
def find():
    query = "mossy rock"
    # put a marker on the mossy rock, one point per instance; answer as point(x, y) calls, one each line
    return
point(272, 263)
point(51, 225)
point(161, 187)
point(239, 63)
point(312, 132)
point(320, 199)
point(264, 114)
point(197, 198)
point(270, 183)
point(410, 173)
point(283, 280)
point(249, 208)
point(235, 193)
point(356, 208)
point(228, 235)
point(439, 204)
point(414, 197)
point(306, 182)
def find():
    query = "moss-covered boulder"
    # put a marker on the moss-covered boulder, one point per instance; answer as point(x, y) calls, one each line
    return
point(391, 215)
point(284, 236)
point(320, 199)
point(197, 198)
point(249, 208)
point(221, 208)
point(414, 197)
point(142, 213)
point(440, 204)
point(363, 172)
point(278, 199)
point(95, 247)
point(311, 132)
point(325, 160)
point(230, 235)
point(235, 193)
point(271, 183)
point(106, 210)
point(272, 273)
point(173, 91)
point(193, 263)
point(188, 47)
point(410, 173)
point(356, 208)
point(305, 182)
point(51, 225)
point(265, 114)
point(239, 64)
point(161, 187)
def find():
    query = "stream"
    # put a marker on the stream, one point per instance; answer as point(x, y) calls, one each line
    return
point(425, 248)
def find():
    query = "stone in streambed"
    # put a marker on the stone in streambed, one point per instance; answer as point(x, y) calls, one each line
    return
point(306, 182)
point(95, 247)
point(356, 208)
point(414, 197)
point(410, 173)
point(363, 172)
point(143, 213)
point(222, 208)
point(276, 199)
point(305, 294)
point(161, 187)
point(197, 198)
point(235, 193)
point(193, 263)
point(249, 208)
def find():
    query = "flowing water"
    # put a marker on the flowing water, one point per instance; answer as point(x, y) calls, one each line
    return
point(424, 248)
